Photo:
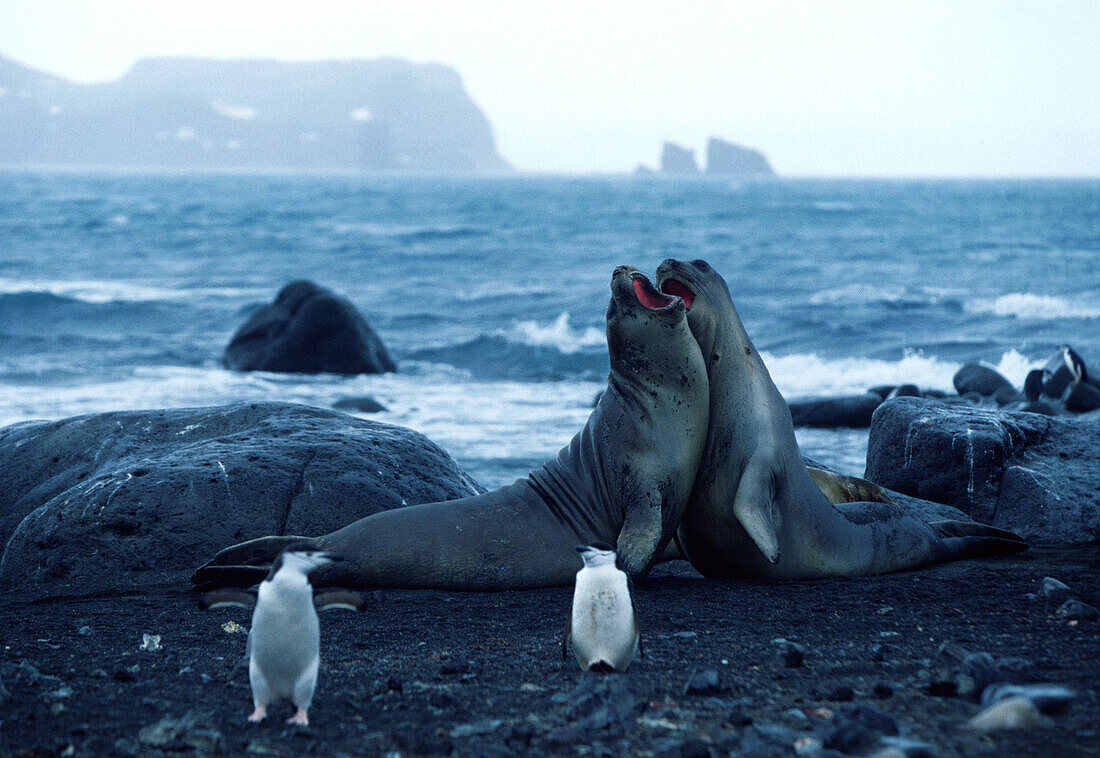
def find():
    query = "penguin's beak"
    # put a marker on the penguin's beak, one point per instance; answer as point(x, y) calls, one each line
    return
point(582, 548)
point(334, 557)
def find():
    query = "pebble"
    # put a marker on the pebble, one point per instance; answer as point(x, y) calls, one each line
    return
point(841, 694)
point(738, 714)
point(692, 747)
point(1016, 712)
point(1075, 610)
point(858, 728)
point(1051, 699)
point(1054, 590)
point(791, 654)
point(193, 731)
point(882, 690)
point(976, 671)
point(706, 682)
point(880, 652)
point(85, 631)
point(902, 747)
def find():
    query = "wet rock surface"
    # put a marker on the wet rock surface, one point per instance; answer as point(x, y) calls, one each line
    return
point(1037, 476)
point(93, 503)
point(435, 673)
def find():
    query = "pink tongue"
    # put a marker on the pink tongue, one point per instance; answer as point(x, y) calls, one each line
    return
point(678, 289)
point(650, 298)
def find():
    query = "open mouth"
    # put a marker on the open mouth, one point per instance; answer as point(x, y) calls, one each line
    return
point(676, 288)
point(651, 297)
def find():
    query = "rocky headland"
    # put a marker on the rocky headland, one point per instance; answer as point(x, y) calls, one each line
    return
point(377, 115)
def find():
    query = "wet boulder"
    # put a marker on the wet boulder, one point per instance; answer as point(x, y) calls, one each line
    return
point(99, 502)
point(850, 412)
point(985, 381)
point(308, 330)
point(1037, 476)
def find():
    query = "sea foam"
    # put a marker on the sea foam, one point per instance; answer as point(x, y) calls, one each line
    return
point(1032, 307)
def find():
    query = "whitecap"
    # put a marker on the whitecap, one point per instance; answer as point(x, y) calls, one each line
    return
point(103, 291)
point(1032, 307)
point(559, 334)
point(833, 205)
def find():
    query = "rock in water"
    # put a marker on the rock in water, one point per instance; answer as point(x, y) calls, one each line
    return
point(678, 160)
point(852, 412)
point(308, 330)
point(93, 503)
point(727, 159)
point(981, 379)
point(1037, 476)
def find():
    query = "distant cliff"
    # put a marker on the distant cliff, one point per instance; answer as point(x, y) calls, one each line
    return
point(385, 114)
point(723, 159)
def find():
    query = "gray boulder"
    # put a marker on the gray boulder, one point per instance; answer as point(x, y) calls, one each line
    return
point(100, 502)
point(852, 412)
point(981, 379)
point(308, 330)
point(1037, 476)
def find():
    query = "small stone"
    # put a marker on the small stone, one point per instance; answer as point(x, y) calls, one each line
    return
point(841, 693)
point(976, 671)
point(882, 690)
point(1015, 712)
point(796, 718)
point(192, 732)
point(1051, 699)
point(940, 687)
point(85, 631)
point(686, 635)
point(880, 652)
point(692, 747)
point(857, 728)
point(1075, 610)
point(706, 682)
point(150, 643)
point(791, 654)
point(1054, 590)
point(807, 746)
point(481, 727)
point(738, 714)
point(232, 627)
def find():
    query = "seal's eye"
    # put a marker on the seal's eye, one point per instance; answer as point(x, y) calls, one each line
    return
point(701, 264)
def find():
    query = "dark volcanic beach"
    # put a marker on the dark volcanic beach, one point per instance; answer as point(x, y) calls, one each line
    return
point(438, 673)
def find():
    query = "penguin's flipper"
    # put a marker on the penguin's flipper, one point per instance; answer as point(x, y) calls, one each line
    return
point(565, 638)
point(227, 599)
point(967, 539)
point(348, 600)
point(215, 577)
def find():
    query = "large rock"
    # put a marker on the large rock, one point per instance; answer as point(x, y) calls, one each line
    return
point(678, 160)
point(985, 381)
point(1035, 475)
point(727, 159)
point(852, 412)
point(100, 502)
point(308, 330)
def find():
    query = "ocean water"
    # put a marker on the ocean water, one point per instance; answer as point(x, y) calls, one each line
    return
point(121, 290)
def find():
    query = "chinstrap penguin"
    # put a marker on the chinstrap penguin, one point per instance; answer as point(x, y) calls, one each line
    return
point(1075, 364)
point(284, 641)
point(603, 629)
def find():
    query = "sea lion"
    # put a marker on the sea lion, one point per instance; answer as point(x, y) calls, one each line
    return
point(624, 479)
point(754, 509)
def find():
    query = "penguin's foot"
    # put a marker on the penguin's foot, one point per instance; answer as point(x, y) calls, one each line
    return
point(258, 715)
point(299, 717)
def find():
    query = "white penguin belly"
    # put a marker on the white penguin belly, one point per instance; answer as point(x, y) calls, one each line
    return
point(285, 644)
point(602, 624)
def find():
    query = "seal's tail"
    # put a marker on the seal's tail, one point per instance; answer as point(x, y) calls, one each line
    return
point(968, 539)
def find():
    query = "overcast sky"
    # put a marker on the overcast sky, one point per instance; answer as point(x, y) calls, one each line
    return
point(962, 87)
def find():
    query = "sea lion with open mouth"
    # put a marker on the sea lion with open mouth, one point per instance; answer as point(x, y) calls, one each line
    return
point(624, 479)
point(754, 509)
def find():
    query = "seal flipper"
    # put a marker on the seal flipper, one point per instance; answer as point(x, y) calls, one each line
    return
point(967, 539)
point(209, 578)
point(243, 564)
point(639, 543)
point(755, 509)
